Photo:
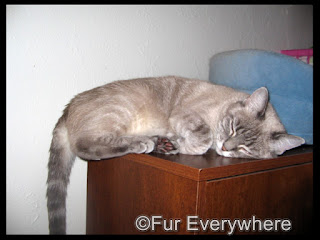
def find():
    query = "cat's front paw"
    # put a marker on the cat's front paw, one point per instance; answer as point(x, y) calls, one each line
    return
point(165, 145)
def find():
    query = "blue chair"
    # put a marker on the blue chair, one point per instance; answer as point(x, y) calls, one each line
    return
point(289, 81)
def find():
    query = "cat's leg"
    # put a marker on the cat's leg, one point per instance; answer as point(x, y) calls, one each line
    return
point(194, 136)
point(108, 146)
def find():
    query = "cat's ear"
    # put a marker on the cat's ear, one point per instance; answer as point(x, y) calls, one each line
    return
point(282, 142)
point(257, 102)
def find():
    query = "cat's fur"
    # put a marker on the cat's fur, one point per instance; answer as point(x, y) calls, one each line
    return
point(131, 116)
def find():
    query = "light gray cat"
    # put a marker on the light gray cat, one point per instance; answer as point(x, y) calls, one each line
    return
point(165, 114)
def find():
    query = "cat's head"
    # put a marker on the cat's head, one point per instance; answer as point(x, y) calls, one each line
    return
point(252, 129)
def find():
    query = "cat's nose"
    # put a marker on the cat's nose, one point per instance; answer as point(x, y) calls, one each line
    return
point(223, 148)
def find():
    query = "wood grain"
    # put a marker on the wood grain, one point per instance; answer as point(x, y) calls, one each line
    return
point(210, 186)
point(120, 190)
point(284, 193)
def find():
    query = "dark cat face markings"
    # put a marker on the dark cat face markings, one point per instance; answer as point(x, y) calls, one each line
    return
point(246, 130)
point(238, 140)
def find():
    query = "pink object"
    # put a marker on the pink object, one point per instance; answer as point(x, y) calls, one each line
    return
point(303, 54)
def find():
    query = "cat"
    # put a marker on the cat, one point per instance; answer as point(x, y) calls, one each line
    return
point(169, 115)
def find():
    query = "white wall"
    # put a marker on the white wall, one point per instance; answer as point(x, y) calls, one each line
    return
point(55, 52)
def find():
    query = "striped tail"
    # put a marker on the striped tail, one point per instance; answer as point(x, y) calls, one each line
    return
point(59, 168)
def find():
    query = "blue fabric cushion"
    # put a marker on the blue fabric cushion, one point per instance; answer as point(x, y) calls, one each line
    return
point(289, 81)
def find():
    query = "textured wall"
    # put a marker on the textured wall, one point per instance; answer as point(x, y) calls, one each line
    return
point(55, 52)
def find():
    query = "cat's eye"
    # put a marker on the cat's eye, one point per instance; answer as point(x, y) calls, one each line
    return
point(244, 149)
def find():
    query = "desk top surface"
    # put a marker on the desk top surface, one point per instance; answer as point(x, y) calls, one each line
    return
point(213, 166)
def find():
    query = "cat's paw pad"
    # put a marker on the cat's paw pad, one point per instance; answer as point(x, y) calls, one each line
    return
point(165, 146)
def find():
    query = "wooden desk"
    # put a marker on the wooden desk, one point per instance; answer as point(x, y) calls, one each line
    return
point(207, 186)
